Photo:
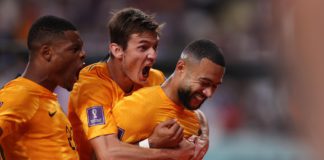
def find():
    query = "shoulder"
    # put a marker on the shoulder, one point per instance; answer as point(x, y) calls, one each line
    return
point(18, 93)
point(94, 77)
point(141, 99)
point(17, 97)
point(156, 77)
point(95, 71)
point(94, 87)
point(156, 72)
point(144, 94)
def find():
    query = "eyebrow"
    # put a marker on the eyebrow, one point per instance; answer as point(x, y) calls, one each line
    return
point(210, 81)
point(147, 41)
point(144, 41)
point(76, 45)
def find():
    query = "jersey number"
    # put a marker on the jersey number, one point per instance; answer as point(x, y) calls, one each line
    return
point(70, 137)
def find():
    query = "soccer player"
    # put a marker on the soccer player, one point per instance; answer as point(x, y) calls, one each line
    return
point(32, 124)
point(197, 75)
point(134, 38)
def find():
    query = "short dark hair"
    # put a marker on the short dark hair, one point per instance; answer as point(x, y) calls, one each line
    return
point(46, 28)
point(128, 21)
point(204, 48)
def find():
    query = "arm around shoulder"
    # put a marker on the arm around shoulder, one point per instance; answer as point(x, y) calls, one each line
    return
point(108, 147)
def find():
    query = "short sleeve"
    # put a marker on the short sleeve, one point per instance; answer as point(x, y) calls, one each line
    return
point(156, 78)
point(92, 103)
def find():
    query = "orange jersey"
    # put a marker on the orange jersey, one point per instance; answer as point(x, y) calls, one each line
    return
point(91, 101)
point(137, 115)
point(33, 124)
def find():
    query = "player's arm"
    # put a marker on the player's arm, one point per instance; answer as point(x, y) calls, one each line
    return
point(202, 141)
point(109, 147)
point(138, 123)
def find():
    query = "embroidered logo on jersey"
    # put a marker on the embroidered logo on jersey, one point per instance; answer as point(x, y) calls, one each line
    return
point(120, 133)
point(95, 116)
point(1, 103)
point(51, 114)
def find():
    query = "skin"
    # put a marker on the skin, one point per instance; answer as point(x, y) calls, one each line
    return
point(199, 80)
point(202, 141)
point(57, 63)
point(127, 65)
point(126, 68)
point(70, 57)
point(109, 147)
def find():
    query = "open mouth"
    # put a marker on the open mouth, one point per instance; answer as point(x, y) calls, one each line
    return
point(200, 97)
point(197, 100)
point(146, 71)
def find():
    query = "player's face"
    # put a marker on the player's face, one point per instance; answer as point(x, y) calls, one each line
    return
point(68, 59)
point(139, 56)
point(200, 81)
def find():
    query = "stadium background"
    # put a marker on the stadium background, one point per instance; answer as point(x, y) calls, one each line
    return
point(249, 116)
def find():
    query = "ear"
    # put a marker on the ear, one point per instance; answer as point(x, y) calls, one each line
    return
point(180, 67)
point(116, 50)
point(45, 52)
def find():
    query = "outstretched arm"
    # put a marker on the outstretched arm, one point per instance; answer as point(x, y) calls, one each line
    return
point(108, 147)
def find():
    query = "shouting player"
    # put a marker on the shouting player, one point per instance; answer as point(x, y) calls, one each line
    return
point(32, 124)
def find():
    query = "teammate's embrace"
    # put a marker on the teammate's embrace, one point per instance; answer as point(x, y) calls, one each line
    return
point(134, 38)
point(197, 75)
point(32, 124)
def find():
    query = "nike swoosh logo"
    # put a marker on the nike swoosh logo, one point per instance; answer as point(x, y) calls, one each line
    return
point(51, 114)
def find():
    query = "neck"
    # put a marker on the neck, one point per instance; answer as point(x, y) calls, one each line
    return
point(170, 88)
point(36, 74)
point(119, 76)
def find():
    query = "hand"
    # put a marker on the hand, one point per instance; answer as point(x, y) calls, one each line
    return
point(201, 146)
point(185, 151)
point(167, 134)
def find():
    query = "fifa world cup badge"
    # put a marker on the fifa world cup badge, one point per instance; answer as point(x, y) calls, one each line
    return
point(95, 116)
